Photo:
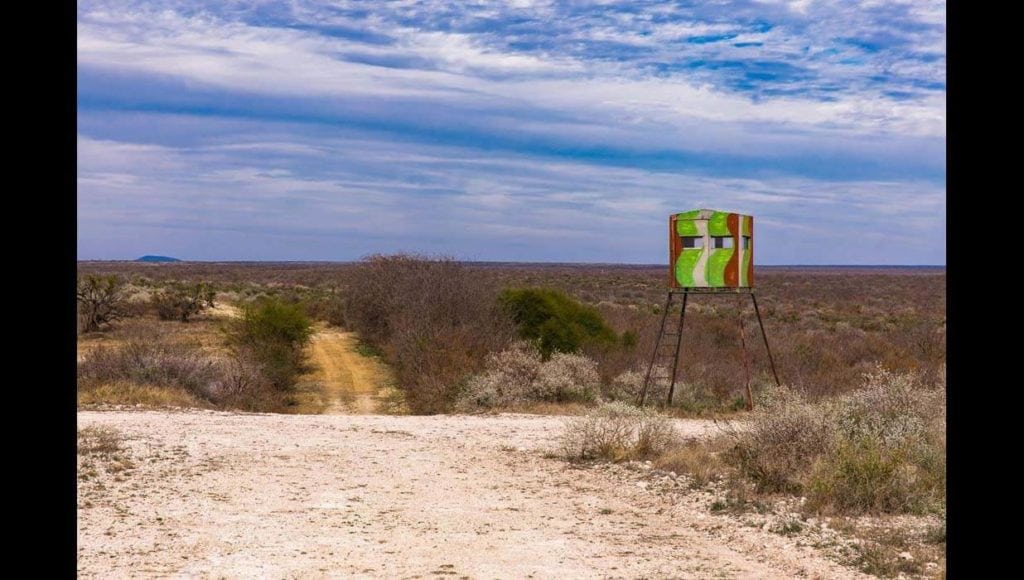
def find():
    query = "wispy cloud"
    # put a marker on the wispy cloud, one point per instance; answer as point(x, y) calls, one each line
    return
point(522, 130)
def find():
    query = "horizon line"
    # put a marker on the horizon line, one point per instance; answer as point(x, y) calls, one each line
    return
point(554, 263)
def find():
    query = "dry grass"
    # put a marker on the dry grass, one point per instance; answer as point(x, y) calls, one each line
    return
point(101, 450)
point(129, 393)
point(618, 432)
point(141, 364)
point(99, 440)
point(891, 550)
point(701, 460)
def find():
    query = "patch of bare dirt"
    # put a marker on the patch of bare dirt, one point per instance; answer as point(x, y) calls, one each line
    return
point(215, 494)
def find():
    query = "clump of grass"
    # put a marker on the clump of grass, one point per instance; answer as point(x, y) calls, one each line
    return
point(368, 350)
point(102, 448)
point(700, 460)
point(99, 440)
point(888, 553)
point(788, 527)
point(618, 432)
point(936, 534)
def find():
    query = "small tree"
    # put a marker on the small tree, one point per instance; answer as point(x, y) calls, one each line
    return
point(182, 301)
point(101, 300)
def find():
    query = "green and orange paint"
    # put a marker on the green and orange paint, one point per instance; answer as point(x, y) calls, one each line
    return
point(711, 249)
point(710, 252)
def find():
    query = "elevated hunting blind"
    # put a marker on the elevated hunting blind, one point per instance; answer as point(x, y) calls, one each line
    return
point(711, 249)
point(710, 252)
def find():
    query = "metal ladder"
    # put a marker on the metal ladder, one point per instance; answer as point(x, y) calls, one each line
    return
point(666, 349)
point(670, 339)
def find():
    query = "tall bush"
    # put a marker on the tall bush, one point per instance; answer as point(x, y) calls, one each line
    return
point(435, 320)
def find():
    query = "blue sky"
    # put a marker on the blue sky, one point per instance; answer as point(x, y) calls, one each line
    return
point(519, 131)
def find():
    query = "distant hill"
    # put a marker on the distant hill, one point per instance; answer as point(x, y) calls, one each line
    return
point(157, 259)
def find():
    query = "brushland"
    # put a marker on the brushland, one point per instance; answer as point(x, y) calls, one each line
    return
point(853, 441)
point(827, 326)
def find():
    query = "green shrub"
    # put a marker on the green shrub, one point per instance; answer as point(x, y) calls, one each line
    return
point(864, 475)
point(326, 306)
point(557, 321)
point(629, 339)
point(273, 333)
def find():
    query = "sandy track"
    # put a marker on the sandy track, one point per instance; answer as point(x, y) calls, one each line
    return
point(352, 383)
point(286, 496)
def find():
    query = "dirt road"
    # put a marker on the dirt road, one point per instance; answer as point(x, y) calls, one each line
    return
point(352, 383)
point(223, 495)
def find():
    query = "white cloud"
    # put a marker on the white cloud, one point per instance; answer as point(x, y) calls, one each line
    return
point(280, 61)
point(520, 85)
point(459, 194)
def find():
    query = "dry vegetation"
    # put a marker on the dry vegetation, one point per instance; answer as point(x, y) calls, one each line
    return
point(249, 363)
point(436, 322)
point(102, 452)
point(855, 438)
point(872, 462)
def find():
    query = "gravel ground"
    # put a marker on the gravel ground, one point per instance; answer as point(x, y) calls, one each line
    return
point(214, 495)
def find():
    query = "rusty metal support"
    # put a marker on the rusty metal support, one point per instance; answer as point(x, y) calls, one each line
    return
point(765, 336)
point(654, 355)
point(678, 335)
point(746, 358)
point(679, 344)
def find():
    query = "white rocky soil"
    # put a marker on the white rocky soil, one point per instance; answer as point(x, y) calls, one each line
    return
point(236, 495)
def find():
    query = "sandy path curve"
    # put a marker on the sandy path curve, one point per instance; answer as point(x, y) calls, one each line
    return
point(232, 495)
